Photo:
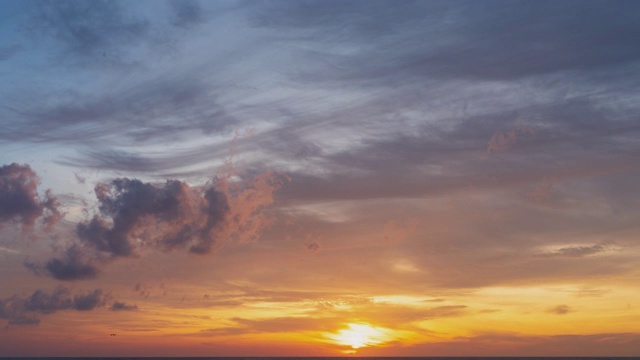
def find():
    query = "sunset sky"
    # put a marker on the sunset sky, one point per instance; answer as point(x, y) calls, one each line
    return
point(319, 178)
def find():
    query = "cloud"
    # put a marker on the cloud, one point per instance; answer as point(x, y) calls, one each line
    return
point(508, 344)
point(142, 111)
point(330, 314)
point(173, 215)
point(19, 199)
point(134, 215)
point(45, 303)
point(280, 324)
point(186, 13)
point(20, 310)
point(24, 321)
point(95, 30)
point(559, 309)
point(122, 306)
point(388, 38)
point(75, 264)
point(89, 301)
point(576, 251)
point(9, 251)
point(313, 247)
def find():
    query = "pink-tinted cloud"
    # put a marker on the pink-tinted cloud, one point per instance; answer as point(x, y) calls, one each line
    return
point(19, 199)
point(134, 215)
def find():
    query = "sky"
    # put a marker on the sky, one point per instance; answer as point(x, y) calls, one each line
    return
point(319, 178)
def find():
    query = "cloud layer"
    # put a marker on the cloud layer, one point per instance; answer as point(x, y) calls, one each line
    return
point(24, 310)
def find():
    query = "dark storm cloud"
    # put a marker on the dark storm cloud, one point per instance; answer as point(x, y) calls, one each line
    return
point(20, 310)
point(19, 199)
point(435, 39)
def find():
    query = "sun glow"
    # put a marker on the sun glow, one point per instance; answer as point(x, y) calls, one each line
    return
point(361, 335)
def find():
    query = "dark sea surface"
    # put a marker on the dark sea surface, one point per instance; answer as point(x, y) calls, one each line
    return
point(329, 358)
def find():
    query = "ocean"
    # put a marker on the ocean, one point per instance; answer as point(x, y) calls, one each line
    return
point(324, 358)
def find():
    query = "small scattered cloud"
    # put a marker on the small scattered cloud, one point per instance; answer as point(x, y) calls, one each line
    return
point(560, 309)
point(89, 301)
point(489, 311)
point(313, 247)
point(590, 292)
point(312, 243)
point(122, 306)
point(80, 179)
point(73, 265)
point(576, 251)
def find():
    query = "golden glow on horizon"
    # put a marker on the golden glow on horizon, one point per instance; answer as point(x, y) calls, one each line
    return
point(361, 335)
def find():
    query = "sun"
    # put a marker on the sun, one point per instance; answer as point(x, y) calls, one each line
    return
point(360, 335)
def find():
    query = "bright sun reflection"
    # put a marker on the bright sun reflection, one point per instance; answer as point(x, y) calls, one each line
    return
point(360, 335)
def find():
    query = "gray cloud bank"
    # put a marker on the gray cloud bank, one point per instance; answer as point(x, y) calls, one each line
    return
point(20, 310)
